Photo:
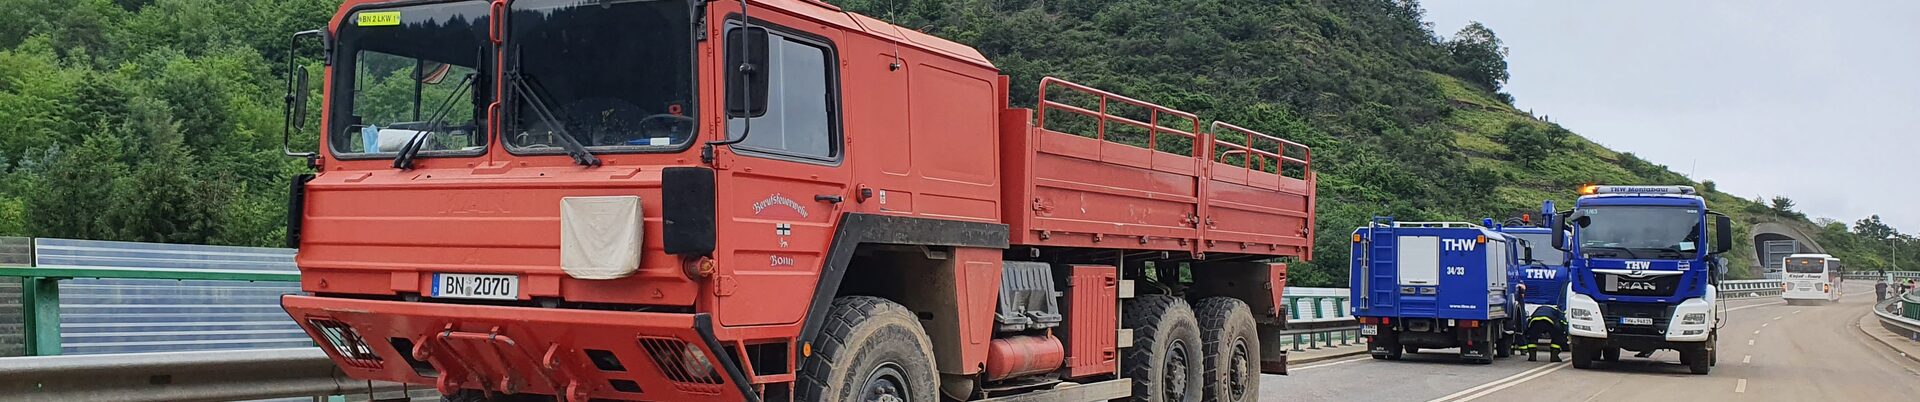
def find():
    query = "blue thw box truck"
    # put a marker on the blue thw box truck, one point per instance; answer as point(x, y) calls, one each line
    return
point(1434, 285)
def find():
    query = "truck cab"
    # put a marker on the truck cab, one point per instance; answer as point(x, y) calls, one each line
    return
point(778, 200)
point(1644, 272)
point(1434, 285)
point(1541, 280)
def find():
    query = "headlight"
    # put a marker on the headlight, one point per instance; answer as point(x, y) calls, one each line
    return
point(1580, 314)
point(1693, 319)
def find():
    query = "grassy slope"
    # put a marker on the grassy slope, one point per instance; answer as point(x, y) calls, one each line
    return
point(1478, 118)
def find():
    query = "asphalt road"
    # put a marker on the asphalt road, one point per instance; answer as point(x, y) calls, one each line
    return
point(1797, 353)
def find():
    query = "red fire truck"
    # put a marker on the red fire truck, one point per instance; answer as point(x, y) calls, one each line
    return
point(677, 200)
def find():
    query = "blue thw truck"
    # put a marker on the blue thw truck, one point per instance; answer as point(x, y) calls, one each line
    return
point(1545, 274)
point(1542, 284)
point(1434, 285)
point(1644, 273)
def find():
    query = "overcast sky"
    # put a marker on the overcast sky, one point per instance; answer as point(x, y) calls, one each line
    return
point(1815, 100)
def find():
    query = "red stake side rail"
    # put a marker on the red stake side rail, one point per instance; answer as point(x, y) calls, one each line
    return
point(1068, 190)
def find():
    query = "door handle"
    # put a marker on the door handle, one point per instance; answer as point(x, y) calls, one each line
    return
point(829, 198)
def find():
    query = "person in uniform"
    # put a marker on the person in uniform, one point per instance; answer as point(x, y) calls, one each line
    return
point(1544, 322)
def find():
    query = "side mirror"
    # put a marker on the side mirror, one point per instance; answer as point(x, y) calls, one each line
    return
point(746, 72)
point(297, 89)
point(297, 99)
point(1526, 255)
point(1722, 234)
point(1559, 235)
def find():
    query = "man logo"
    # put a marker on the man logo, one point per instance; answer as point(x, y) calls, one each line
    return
point(1636, 286)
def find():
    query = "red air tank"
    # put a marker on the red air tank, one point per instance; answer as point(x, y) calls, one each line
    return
point(1023, 355)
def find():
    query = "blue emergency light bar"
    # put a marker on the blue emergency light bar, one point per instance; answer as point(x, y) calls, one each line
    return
point(1593, 189)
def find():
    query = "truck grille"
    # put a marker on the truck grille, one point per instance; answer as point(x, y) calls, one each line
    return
point(1613, 313)
point(1622, 285)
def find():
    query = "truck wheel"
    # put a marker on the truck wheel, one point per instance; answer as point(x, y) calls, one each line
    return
point(1390, 343)
point(870, 349)
point(1487, 345)
point(1166, 361)
point(1583, 355)
point(1503, 348)
point(1232, 349)
point(1697, 359)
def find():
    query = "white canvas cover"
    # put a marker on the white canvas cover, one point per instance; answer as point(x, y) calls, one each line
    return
point(600, 236)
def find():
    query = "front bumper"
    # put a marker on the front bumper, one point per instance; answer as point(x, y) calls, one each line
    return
point(574, 354)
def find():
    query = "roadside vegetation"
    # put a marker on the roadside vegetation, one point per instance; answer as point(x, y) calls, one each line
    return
point(159, 120)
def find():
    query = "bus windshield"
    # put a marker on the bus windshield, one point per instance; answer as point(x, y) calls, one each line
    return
point(1806, 265)
point(1640, 232)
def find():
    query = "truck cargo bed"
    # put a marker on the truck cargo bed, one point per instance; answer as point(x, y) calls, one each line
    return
point(1095, 169)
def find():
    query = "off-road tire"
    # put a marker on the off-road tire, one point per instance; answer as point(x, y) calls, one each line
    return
point(1232, 350)
point(869, 345)
point(1165, 362)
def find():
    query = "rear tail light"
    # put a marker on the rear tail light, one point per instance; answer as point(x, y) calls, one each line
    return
point(346, 342)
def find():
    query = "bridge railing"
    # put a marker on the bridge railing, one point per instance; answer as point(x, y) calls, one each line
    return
point(1901, 314)
point(92, 297)
point(1320, 317)
point(1749, 288)
point(1872, 275)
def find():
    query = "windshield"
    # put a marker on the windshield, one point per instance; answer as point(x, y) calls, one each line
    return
point(1806, 265)
point(406, 74)
point(1540, 242)
point(617, 75)
point(1640, 232)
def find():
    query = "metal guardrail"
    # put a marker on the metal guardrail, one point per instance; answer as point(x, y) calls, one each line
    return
point(1319, 317)
point(1749, 288)
point(1901, 315)
point(1871, 275)
point(181, 376)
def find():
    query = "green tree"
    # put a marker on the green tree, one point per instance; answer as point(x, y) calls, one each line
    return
point(1873, 228)
point(1479, 57)
point(1783, 207)
point(1532, 144)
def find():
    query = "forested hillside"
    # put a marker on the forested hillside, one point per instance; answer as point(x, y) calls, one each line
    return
point(159, 120)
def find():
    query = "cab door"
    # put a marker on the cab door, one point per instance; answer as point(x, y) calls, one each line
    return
point(783, 185)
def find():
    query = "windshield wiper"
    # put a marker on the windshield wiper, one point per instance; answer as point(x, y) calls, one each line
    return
point(1630, 253)
point(580, 154)
point(407, 152)
point(1663, 252)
